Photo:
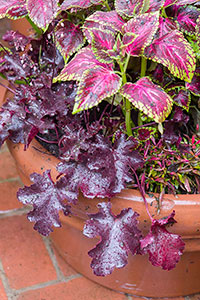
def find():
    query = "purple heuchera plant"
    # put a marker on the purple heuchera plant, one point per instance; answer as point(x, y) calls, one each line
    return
point(108, 87)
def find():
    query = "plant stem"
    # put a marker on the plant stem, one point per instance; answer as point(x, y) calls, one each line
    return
point(143, 66)
point(107, 5)
point(38, 30)
point(127, 102)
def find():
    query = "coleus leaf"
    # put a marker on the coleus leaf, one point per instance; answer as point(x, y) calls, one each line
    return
point(174, 52)
point(187, 19)
point(183, 99)
point(166, 26)
point(155, 5)
point(149, 98)
point(67, 4)
point(96, 84)
point(83, 60)
point(131, 7)
point(197, 30)
point(69, 38)
point(139, 32)
point(194, 86)
point(119, 236)
point(47, 199)
point(179, 2)
point(6, 5)
point(42, 12)
point(17, 11)
point(163, 247)
point(102, 41)
point(89, 26)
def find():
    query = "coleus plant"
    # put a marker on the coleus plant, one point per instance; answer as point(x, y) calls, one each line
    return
point(112, 89)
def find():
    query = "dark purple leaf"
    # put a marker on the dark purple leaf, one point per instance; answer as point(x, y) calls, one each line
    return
point(6, 5)
point(42, 12)
point(144, 134)
point(16, 39)
point(194, 86)
point(69, 38)
point(96, 84)
point(174, 52)
point(187, 19)
point(47, 199)
point(83, 60)
point(131, 7)
point(149, 98)
point(181, 97)
point(67, 4)
point(163, 247)
point(119, 235)
point(139, 32)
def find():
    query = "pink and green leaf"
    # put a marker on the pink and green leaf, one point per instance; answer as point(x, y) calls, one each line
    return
point(6, 5)
point(155, 5)
point(181, 96)
point(17, 12)
point(131, 8)
point(67, 4)
point(166, 26)
point(83, 60)
point(197, 31)
point(69, 38)
point(96, 85)
point(144, 27)
point(90, 25)
point(194, 85)
point(187, 19)
point(42, 12)
point(149, 98)
point(179, 2)
point(174, 52)
point(102, 41)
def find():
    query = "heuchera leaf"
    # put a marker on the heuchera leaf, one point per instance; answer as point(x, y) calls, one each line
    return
point(47, 199)
point(96, 84)
point(69, 38)
point(119, 236)
point(67, 4)
point(131, 7)
point(6, 5)
point(163, 247)
point(174, 52)
point(42, 12)
point(83, 60)
point(17, 11)
point(187, 19)
point(194, 86)
point(102, 41)
point(144, 27)
point(149, 98)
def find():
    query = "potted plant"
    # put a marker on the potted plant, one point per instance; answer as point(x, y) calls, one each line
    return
point(105, 95)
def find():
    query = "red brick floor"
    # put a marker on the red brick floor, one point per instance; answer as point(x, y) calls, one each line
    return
point(30, 269)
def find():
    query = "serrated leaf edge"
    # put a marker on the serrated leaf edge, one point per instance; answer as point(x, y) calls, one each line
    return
point(15, 18)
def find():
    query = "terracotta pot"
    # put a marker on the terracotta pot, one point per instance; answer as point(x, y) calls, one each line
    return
point(22, 25)
point(139, 277)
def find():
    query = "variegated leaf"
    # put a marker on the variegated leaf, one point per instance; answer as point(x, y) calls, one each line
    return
point(155, 5)
point(6, 5)
point(144, 27)
point(197, 31)
point(130, 8)
point(194, 86)
point(149, 98)
point(96, 84)
point(69, 38)
point(166, 26)
point(67, 4)
point(102, 41)
point(83, 60)
point(42, 12)
point(187, 19)
point(17, 12)
point(181, 96)
point(174, 52)
point(90, 25)
point(179, 2)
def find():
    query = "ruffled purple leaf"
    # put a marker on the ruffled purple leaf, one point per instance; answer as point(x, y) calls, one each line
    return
point(16, 39)
point(163, 247)
point(47, 198)
point(67, 4)
point(174, 52)
point(194, 86)
point(83, 60)
point(187, 19)
point(17, 11)
point(69, 38)
point(130, 8)
point(119, 236)
point(102, 42)
point(6, 5)
point(96, 84)
point(139, 32)
point(149, 98)
point(181, 96)
point(42, 12)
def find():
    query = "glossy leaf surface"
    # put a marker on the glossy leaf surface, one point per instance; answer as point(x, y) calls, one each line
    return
point(149, 98)
point(119, 236)
point(174, 52)
point(96, 84)
point(42, 12)
point(69, 38)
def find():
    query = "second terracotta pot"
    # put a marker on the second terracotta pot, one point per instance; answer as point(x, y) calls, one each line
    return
point(139, 277)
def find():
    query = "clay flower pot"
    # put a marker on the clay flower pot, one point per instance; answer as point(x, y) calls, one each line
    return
point(139, 277)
